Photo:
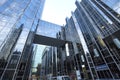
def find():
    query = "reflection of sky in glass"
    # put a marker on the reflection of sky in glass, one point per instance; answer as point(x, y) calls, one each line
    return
point(81, 37)
point(102, 13)
point(2, 2)
point(13, 13)
point(48, 29)
point(114, 4)
point(19, 47)
point(21, 41)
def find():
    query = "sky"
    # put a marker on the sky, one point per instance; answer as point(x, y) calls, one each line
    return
point(56, 11)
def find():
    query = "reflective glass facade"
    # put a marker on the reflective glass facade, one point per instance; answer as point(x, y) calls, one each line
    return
point(48, 29)
point(114, 4)
point(92, 47)
point(98, 35)
point(18, 23)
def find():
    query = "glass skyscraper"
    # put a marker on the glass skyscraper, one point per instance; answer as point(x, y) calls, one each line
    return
point(92, 47)
point(18, 23)
point(99, 41)
point(114, 4)
point(87, 47)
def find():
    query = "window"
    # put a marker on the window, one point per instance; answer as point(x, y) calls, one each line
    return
point(8, 75)
point(13, 62)
point(65, 78)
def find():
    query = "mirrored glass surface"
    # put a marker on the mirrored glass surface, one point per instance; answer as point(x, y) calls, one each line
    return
point(48, 29)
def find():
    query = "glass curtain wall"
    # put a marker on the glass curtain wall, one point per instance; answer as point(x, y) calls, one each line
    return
point(94, 26)
point(18, 23)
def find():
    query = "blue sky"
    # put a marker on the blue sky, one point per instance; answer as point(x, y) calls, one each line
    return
point(57, 10)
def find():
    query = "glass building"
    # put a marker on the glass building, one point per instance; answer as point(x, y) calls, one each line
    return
point(18, 23)
point(87, 47)
point(48, 29)
point(98, 50)
point(114, 4)
point(91, 51)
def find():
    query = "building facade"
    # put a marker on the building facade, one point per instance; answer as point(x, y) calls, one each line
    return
point(98, 35)
point(92, 43)
point(87, 47)
point(18, 24)
point(51, 54)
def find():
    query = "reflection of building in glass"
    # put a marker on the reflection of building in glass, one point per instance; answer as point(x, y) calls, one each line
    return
point(87, 47)
point(92, 44)
point(18, 22)
point(48, 29)
point(114, 4)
